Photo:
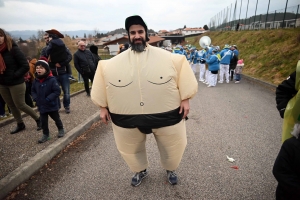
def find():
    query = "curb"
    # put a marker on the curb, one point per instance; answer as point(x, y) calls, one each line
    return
point(261, 83)
point(29, 168)
point(12, 119)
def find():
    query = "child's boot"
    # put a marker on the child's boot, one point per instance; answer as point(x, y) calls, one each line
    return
point(44, 138)
point(61, 133)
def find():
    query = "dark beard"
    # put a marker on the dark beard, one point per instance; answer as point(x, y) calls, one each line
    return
point(138, 47)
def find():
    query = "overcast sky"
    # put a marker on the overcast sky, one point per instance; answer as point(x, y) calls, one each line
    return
point(66, 15)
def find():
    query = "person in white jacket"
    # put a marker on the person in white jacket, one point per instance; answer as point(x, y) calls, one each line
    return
point(145, 90)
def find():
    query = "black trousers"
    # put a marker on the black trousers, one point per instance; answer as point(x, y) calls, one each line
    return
point(44, 119)
point(86, 78)
point(28, 99)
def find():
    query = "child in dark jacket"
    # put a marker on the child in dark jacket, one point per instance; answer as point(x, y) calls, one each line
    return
point(45, 92)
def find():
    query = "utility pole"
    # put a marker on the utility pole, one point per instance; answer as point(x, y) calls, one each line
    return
point(284, 13)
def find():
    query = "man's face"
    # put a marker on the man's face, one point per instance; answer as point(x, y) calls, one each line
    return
point(81, 46)
point(137, 35)
point(46, 38)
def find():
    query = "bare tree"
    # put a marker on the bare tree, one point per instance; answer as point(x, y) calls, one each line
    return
point(96, 31)
point(90, 38)
point(33, 38)
point(40, 34)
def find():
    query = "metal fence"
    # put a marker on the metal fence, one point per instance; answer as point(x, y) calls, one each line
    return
point(288, 17)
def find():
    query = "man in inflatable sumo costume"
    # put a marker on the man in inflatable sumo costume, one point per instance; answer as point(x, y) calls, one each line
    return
point(145, 90)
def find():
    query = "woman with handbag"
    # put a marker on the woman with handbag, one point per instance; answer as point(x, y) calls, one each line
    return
point(13, 67)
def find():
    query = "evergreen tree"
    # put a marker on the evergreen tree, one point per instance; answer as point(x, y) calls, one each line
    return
point(84, 35)
point(205, 27)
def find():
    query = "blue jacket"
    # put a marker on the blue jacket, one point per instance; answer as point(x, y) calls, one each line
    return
point(213, 63)
point(201, 54)
point(46, 94)
point(209, 51)
point(181, 52)
point(194, 57)
point(184, 53)
point(236, 52)
point(226, 55)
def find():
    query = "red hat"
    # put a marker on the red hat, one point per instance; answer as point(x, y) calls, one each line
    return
point(43, 58)
point(56, 32)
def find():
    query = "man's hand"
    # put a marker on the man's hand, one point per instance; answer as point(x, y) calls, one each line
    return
point(185, 107)
point(104, 115)
point(57, 65)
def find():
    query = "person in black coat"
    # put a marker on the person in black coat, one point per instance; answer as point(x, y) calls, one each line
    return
point(284, 92)
point(13, 67)
point(45, 92)
point(85, 64)
point(286, 168)
point(94, 50)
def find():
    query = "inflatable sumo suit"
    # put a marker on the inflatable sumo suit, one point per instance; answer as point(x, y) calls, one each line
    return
point(143, 92)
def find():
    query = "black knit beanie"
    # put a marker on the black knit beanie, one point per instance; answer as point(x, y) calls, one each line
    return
point(135, 20)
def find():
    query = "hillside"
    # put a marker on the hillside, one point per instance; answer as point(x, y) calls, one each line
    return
point(269, 55)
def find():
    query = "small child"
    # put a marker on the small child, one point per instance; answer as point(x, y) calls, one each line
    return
point(238, 70)
point(45, 92)
point(56, 49)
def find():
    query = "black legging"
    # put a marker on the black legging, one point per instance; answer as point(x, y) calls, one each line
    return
point(56, 118)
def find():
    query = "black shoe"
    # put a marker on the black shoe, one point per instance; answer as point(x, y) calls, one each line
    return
point(67, 109)
point(20, 127)
point(44, 138)
point(61, 133)
point(38, 124)
point(138, 177)
point(172, 177)
point(88, 95)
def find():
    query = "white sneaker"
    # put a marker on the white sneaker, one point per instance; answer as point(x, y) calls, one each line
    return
point(2, 116)
point(210, 86)
point(201, 80)
point(220, 81)
point(237, 82)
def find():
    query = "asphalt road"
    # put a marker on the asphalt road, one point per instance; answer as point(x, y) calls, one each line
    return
point(238, 120)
